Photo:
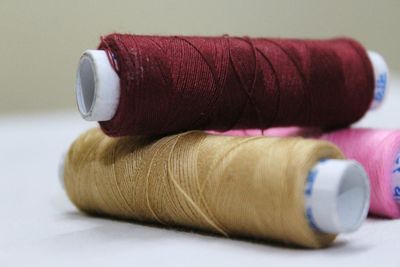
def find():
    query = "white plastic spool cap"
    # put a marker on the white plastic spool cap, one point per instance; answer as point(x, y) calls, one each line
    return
point(381, 75)
point(97, 87)
point(337, 196)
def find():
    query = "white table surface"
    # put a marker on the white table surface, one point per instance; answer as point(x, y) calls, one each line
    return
point(40, 227)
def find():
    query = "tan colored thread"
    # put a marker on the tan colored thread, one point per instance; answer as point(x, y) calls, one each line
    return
point(234, 186)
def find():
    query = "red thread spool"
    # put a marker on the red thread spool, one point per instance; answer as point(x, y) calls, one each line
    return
point(173, 84)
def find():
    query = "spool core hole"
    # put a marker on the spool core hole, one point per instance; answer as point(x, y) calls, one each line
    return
point(86, 86)
point(351, 201)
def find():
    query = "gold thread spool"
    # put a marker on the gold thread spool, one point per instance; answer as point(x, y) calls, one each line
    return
point(234, 186)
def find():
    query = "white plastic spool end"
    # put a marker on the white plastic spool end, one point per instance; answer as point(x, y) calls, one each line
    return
point(381, 75)
point(337, 196)
point(97, 86)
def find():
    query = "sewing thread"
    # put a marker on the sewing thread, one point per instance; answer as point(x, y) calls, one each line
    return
point(173, 84)
point(377, 150)
point(233, 186)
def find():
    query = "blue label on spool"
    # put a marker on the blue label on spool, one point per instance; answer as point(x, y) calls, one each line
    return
point(380, 87)
point(310, 218)
point(308, 190)
point(396, 179)
point(309, 183)
point(396, 193)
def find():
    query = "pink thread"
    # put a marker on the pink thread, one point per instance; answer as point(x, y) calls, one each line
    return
point(376, 150)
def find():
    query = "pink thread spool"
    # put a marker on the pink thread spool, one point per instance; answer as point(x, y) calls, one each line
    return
point(377, 150)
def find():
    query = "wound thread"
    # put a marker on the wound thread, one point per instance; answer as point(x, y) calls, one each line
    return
point(233, 186)
point(377, 150)
point(174, 84)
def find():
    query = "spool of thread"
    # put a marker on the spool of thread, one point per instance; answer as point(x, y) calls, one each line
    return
point(377, 150)
point(293, 190)
point(151, 85)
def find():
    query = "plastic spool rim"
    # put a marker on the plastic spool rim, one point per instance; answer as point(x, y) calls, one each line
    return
point(338, 196)
point(85, 86)
point(97, 87)
point(381, 78)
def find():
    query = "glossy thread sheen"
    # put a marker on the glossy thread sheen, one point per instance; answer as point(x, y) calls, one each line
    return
point(178, 83)
point(232, 186)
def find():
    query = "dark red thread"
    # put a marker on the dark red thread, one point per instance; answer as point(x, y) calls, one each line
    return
point(177, 83)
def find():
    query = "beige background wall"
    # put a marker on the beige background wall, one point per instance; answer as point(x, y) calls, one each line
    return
point(41, 40)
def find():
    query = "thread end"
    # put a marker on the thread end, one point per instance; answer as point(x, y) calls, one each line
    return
point(337, 196)
point(97, 87)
